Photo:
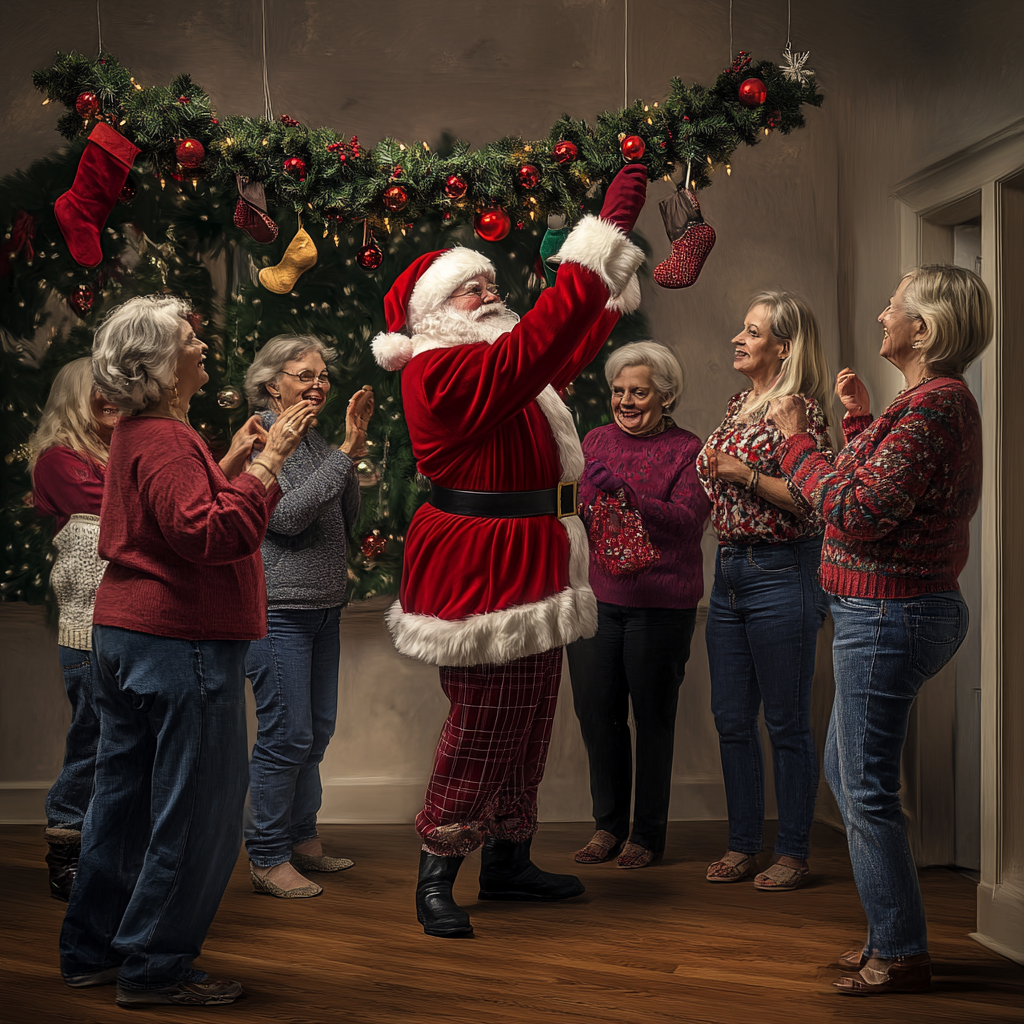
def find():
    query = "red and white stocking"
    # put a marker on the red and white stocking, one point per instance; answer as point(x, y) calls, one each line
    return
point(83, 210)
point(251, 211)
point(692, 239)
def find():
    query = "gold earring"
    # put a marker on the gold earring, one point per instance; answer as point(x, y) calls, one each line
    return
point(174, 395)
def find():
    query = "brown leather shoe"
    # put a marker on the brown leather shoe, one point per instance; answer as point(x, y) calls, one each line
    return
point(879, 977)
point(852, 960)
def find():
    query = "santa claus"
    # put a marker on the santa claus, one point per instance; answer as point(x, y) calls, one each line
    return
point(495, 574)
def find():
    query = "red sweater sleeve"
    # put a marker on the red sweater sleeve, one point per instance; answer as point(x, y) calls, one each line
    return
point(203, 522)
point(65, 482)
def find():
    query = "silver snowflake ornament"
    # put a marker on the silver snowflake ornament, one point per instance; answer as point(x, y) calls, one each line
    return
point(792, 65)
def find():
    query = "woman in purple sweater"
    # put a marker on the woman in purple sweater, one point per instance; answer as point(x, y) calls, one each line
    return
point(645, 619)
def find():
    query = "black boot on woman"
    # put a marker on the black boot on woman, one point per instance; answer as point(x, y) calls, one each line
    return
point(507, 873)
point(436, 910)
point(62, 859)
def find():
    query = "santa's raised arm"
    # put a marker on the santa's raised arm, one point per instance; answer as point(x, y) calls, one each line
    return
point(495, 574)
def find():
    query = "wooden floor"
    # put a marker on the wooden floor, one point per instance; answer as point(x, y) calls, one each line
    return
point(654, 945)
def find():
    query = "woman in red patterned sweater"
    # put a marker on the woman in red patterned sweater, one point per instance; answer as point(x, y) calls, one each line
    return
point(896, 503)
point(766, 604)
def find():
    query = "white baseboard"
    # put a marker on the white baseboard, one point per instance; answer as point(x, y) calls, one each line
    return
point(1001, 920)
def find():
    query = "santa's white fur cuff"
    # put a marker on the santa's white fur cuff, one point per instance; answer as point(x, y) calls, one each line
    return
point(603, 248)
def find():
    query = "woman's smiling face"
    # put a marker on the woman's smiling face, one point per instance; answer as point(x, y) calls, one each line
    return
point(636, 403)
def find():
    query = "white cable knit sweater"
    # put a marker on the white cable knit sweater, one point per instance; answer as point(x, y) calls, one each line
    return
point(77, 571)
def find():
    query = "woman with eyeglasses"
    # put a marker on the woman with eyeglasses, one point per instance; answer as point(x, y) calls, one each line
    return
point(294, 668)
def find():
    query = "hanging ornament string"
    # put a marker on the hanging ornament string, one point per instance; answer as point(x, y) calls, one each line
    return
point(731, 51)
point(789, 23)
point(626, 52)
point(268, 106)
point(99, 29)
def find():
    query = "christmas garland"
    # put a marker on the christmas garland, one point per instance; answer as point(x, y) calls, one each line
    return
point(330, 179)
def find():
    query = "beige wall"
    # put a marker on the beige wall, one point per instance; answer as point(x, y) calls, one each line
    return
point(906, 85)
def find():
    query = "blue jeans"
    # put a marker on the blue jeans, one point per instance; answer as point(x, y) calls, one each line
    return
point(68, 799)
point(884, 651)
point(165, 823)
point(763, 621)
point(637, 655)
point(294, 674)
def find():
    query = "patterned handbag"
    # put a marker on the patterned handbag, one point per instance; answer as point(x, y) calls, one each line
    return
point(618, 536)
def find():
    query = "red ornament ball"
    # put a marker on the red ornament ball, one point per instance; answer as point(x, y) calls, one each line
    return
point(566, 152)
point(455, 187)
point(633, 147)
point(396, 198)
point(127, 192)
point(752, 92)
point(296, 167)
point(189, 153)
point(369, 256)
point(373, 545)
point(397, 172)
point(529, 176)
point(87, 105)
point(492, 225)
point(184, 99)
point(81, 300)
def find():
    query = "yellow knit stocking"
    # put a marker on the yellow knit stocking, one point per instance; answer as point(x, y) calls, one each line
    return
point(297, 259)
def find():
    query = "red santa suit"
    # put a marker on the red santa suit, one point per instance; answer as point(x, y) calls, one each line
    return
point(493, 599)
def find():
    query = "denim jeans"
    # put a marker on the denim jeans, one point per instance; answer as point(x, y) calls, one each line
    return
point(763, 621)
point(294, 674)
point(638, 655)
point(165, 823)
point(68, 799)
point(884, 651)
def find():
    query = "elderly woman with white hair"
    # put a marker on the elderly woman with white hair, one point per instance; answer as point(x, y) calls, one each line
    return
point(897, 506)
point(294, 668)
point(181, 599)
point(646, 617)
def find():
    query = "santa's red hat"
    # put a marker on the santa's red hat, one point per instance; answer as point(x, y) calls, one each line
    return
point(421, 289)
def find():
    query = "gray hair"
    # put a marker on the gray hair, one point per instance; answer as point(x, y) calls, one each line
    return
point(135, 351)
point(666, 373)
point(266, 367)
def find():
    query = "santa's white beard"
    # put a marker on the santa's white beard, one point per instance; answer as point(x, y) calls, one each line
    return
point(454, 326)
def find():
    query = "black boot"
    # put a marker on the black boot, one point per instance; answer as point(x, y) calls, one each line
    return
point(507, 873)
point(435, 909)
point(62, 860)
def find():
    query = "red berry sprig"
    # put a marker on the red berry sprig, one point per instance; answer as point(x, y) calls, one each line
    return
point(289, 121)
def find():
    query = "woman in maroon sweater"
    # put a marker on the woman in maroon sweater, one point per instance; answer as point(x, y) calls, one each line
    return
point(896, 503)
point(181, 598)
point(645, 619)
point(68, 459)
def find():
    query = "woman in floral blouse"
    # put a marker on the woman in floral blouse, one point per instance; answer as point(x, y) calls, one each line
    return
point(766, 603)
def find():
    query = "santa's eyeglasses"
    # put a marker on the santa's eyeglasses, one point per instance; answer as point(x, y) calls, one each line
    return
point(476, 291)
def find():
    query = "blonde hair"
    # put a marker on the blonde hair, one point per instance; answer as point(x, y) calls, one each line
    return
point(666, 373)
point(67, 418)
point(134, 353)
point(804, 370)
point(956, 309)
point(267, 366)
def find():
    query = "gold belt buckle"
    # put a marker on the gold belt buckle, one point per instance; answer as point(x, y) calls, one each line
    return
point(565, 498)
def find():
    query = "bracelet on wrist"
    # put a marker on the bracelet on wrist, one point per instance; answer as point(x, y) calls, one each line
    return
point(755, 477)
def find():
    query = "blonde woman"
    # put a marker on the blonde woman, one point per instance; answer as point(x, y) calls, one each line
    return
point(766, 604)
point(68, 458)
point(897, 506)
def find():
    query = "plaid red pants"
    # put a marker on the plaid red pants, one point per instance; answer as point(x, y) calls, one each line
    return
point(491, 754)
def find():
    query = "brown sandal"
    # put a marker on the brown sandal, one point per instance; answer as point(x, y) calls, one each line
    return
point(603, 846)
point(735, 870)
point(782, 878)
point(907, 974)
point(852, 960)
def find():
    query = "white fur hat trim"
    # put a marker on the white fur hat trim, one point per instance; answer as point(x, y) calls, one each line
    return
point(392, 351)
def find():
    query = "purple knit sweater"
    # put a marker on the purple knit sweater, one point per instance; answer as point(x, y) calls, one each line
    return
point(660, 474)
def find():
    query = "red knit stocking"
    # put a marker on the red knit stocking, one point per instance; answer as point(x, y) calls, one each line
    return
point(83, 210)
point(691, 237)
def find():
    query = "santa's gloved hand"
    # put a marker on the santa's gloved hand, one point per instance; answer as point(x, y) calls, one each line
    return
point(604, 479)
point(625, 197)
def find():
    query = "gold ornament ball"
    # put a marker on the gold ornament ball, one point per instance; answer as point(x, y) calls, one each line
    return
point(229, 398)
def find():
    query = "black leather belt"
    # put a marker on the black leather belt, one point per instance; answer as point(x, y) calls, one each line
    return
point(550, 501)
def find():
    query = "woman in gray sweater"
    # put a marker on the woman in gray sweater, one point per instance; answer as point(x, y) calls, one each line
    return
point(294, 669)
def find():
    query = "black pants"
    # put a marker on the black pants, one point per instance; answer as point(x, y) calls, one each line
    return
point(637, 655)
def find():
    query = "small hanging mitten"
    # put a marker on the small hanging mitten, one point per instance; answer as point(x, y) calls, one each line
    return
point(83, 210)
point(549, 245)
point(251, 211)
point(691, 237)
point(297, 259)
